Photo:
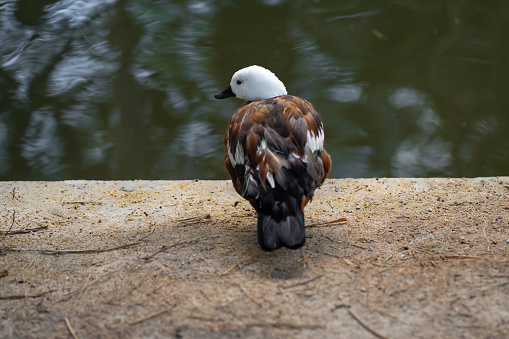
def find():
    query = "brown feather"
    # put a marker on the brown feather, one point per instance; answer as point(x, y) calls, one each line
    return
point(275, 167)
point(289, 117)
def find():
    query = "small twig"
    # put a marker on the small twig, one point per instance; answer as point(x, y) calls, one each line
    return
point(13, 249)
point(303, 257)
point(332, 255)
point(22, 296)
point(285, 324)
point(4, 273)
point(82, 202)
point(382, 271)
point(152, 315)
point(243, 215)
point(240, 263)
point(337, 242)
point(24, 231)
point(187, 221)
point(13, 193)
point(485, 225)
point(148, 235)
point(386, 260)
point(461, 256)
point(386, 314)
point(86, 285)
point(327, 223)
point(366, 327)
point(69, 327)
point(57, 252)
point(164, 248)
point(10, 227)
point(204, 317)
point(351, 263)
point(361, 247)
point(304, 282)
point(484, 232)
point(29, 265)
point(248, 295)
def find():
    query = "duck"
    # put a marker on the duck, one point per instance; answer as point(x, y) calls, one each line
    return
point(275, 155)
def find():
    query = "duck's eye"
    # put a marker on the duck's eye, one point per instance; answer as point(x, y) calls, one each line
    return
point(239, 82)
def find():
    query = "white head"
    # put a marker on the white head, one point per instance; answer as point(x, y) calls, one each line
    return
point(253, 83)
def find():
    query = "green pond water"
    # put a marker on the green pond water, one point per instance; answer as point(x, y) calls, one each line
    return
point(124, 89)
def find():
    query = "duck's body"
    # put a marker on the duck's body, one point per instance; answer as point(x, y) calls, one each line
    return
point(275, 155)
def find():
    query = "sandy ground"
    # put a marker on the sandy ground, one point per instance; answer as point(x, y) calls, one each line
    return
point(416, 258)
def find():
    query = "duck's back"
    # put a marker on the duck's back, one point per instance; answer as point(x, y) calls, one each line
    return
point(276, 157)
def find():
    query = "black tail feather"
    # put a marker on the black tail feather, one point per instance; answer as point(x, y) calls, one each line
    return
point(288, 231)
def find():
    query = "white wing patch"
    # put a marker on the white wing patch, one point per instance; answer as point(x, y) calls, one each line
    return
point(263, 148)
point(315, 142)
point(263, 145)
point(270, 178)
point(239, 158)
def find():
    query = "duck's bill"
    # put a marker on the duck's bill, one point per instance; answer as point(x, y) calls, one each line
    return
point(227, 93)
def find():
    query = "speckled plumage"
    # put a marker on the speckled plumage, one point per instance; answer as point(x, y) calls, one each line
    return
point(275, 155)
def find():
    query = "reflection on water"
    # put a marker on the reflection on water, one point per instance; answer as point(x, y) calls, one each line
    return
point(122, 89)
